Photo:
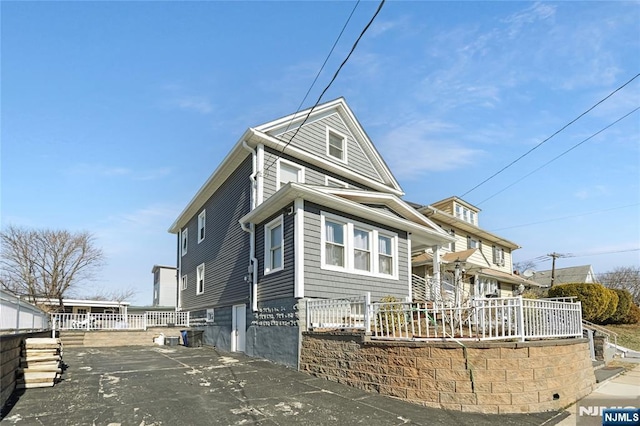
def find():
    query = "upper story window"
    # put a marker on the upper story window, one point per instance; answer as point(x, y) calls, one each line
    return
point(184, 245)
point(200, 279)
point(183, 283)
point(498, 256)
point(202, 221)
point(466, 214)
point(335, 183)
point(473, 243)
point(358, 248)
point(336, 145)
point(289, 172)
point(273, 246)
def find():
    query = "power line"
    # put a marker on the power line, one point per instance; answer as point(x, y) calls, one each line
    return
point(560, 155)
point(547, 139)
point(323, 64)
point(353, 48)
point(566, 217)
point(546, 258)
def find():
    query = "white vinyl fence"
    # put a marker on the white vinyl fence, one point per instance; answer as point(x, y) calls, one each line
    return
point(511, 318)
point(16, 314)
point(62, 321)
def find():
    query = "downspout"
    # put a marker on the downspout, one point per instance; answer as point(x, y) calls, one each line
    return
point(253, 262)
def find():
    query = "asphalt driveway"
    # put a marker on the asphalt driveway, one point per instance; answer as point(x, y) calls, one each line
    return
point(175, 385)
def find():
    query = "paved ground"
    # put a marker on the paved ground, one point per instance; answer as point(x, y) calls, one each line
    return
point(145, 386)
point(620, 390)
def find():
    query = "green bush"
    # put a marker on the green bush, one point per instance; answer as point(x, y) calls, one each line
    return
point(624, 305)
point(597, 304)
point(633, 317)
point(612, 306)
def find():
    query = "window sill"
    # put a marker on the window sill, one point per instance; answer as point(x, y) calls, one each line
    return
point(359, 272)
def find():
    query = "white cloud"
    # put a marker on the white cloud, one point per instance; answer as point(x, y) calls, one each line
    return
point(194, 103)
point(424, 146)
point(595, 191)
point(528, 16)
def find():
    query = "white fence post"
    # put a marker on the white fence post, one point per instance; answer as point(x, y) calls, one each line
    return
point(520, 310)
point(367, 313)
point(144, 320)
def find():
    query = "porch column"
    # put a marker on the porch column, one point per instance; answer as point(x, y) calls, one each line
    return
point(435, 284)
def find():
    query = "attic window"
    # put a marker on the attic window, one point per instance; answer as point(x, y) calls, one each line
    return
point(336, 146)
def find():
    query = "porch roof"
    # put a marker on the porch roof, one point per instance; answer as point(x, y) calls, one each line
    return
point(422, 230)
point(506, 277)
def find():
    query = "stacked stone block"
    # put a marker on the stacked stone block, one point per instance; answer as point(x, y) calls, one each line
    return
point(491, 377)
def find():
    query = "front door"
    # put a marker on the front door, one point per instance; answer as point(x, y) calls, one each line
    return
point(238, 328)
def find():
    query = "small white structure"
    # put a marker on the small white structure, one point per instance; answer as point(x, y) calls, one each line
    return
point(165, 282)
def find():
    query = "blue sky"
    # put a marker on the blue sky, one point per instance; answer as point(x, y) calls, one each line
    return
point(115, 113)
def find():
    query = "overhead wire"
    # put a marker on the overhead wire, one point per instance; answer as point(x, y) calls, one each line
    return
point(550, 137)
point(335, 75)
point(323, 64)
point(560, 155)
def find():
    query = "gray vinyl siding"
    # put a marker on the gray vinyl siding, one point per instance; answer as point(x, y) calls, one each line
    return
point(278, 284)
point(312, 174)
point(324, 283)
point(225, 249)
point(312, 137)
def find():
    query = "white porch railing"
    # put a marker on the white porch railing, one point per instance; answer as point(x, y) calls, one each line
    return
point(512, 318)
point(63, 321)
point(347, 313)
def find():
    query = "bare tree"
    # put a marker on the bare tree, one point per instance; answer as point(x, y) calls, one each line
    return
point(523, 266)
point(113, 295)
point(46, 263)
point(625, 278)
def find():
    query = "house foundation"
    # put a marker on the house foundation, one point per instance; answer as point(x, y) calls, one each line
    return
point(470, 376)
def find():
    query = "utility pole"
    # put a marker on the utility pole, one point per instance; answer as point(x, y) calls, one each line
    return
point(553, 256)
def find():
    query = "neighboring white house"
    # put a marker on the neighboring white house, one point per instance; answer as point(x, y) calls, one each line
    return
point(165, 292)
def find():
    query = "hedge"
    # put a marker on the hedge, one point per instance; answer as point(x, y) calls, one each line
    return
point(598, 302)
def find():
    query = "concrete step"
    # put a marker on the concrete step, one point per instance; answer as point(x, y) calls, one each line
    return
point(113, 338)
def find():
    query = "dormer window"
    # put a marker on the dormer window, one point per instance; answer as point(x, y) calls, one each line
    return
point(336, 146)
point(466, 214)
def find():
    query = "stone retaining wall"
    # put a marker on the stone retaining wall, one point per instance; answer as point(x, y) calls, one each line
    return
point(485, 377)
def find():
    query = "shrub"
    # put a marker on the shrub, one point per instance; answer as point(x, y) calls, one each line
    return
point(611, 307)
point(633, 317)
point(595, 298)
point(624, 305)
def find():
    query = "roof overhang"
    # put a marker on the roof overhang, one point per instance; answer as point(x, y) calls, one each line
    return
point(81, 302)
point(440, 216)
point(422, 231)
point(505, 277)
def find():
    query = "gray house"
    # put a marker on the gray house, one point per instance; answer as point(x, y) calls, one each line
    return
point(302, 207)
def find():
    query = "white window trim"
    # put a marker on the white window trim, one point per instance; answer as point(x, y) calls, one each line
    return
point(344, 145)
point(279, 221)
point(200, 275)
point(202, 225)
point(183, 283)
point(498, 256)
point(349, 247)
point(340, 183)
point(289, 163)
point(184, 241)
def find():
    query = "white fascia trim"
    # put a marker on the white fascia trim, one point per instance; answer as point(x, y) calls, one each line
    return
point(321, 162)
point(219, 176)
point(260, 173)
point(288, 193)
point(298, 241)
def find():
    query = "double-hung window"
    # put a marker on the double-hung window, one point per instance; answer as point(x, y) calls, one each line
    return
point(274, 246)
point(183, 284)
point(361, 249)
point(289, 172)
point(498, 256)
point(385, 255)
point(336, 145)
point(334, 249)
point(202, 221)
point(358, 248)
point(200, 279)
point(185, 241)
